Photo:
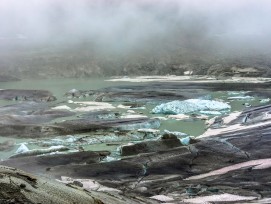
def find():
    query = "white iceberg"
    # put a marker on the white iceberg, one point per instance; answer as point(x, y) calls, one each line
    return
point(266, 100)
point(241, 98)
point(185, 141)
point(190, 106)
point(22, 149)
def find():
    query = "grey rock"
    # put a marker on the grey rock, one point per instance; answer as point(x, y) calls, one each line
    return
point(27, 95)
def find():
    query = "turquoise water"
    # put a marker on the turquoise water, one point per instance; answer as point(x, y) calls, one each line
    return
point(60, 86)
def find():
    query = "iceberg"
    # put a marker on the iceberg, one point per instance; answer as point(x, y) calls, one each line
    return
point(190, 106)
point(185, 141)
point(241, 98)
point(22, 149)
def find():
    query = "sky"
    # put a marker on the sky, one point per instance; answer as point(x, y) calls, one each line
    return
point(128, 25)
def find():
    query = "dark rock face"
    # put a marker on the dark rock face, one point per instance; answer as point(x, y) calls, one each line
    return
point(162, 91)
point(232, 161)
point(86, 125)
point(26, 118)
point(27, 95)
point(19, 187)
point(42, 163)
point(150, 146)
point(74, 126)
point(33, 120)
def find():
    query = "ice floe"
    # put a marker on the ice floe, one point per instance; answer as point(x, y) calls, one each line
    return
point(266, 100)
point(22, 149)
point(190, 106)
point(185, 140)
point(241, 98)
point(64, 107)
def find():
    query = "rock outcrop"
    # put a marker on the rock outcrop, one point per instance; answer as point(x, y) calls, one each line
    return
point(27, 95)
point(231, 162)
point(19, 187)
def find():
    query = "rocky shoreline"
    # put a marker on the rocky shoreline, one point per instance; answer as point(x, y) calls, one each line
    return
point(228, 163)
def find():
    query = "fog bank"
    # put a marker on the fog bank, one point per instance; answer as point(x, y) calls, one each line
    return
point(196, 29)
point(122, 25)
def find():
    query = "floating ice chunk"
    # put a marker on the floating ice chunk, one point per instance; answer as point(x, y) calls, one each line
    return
point(148, 130)
point(57, 147)
point(64, 107)
point(22, 149)
point(110, 159)
point(133, 116)
point(73, 91)
point(232, 93)
point(123, 106)
point(190, 106)
point(35, 152)
point(266, 100)
point(210, 112)
point(185, 141)
point(179, 117)
point(70, 139)
point(148, 133)
point(247, 105)
point(160, 118)
point(241, 98)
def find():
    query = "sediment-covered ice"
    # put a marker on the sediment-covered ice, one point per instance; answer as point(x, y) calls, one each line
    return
point(190, 106)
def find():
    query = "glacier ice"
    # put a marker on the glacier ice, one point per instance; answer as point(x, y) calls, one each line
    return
point(190, 106)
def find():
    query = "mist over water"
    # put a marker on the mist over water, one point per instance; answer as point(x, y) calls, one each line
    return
point(121, 28)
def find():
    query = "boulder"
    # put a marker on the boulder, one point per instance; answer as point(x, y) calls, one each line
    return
point(17, 186)
point(151, 146)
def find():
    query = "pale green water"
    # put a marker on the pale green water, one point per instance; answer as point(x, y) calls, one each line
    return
point(60, 86)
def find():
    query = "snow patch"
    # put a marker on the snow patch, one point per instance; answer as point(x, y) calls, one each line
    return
point(226, 197)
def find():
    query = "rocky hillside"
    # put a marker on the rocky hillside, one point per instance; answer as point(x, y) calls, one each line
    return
point(82, 62)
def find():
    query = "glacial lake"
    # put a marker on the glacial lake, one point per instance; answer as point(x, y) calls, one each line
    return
point(60, 86)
